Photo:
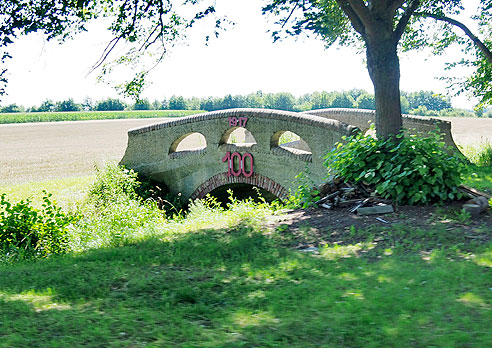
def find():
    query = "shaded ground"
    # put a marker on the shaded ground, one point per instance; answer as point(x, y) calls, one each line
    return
point(317, 227)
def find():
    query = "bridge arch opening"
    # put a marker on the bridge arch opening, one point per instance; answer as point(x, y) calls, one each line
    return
point(287, 143)
point(239, 136)
point(187, 144)
point(241, 191)
point(221, 182)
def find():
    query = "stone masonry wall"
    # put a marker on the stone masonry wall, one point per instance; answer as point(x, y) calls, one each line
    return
point(412, 124)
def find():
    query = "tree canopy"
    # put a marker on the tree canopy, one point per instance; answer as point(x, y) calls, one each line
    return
point(150, 27)
point(144, 29)
point(384, 27)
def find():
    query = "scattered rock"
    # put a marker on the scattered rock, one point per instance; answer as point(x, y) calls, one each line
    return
point(476, 206)
point(378, 209)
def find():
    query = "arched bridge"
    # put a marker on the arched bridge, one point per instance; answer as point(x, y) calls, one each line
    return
point(196, 154)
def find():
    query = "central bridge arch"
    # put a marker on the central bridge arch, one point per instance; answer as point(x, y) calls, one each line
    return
point(256, 159)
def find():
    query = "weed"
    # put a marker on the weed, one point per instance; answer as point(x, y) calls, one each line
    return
point(480, 155)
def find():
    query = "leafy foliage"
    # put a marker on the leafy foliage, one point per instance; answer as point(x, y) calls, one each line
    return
point(410, 170)
point(113, 182)
point(305, 195)
point(115, 213)
point(428, 99)
point(28, 232)
point(67, 105)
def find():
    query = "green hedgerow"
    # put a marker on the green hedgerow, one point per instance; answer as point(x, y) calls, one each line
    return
point(409, 169)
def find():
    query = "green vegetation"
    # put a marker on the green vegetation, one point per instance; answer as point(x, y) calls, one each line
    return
point(141, 275)
point(67, 191)
point(231, 285)
point(410, 170)
point(219, 278)
point(480, 155)
point(27, 232)
point(422, 103)
point(89, 115)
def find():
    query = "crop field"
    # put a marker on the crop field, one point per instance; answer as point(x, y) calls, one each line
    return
point(43, 151)
point(92, 115)
point(471, 131)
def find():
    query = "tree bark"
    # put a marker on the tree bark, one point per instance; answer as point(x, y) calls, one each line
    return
point(384, 69)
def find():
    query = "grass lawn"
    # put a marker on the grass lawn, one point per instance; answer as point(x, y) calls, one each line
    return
point(480, 178)
point(66, 192)
point(222, 279)
point(234, 287)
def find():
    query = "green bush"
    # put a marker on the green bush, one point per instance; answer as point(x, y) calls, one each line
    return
point(28, 232)
point(113, 182)
point(411, 170)
point(115, 213)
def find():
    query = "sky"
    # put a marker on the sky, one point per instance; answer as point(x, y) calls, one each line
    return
point(242, 60)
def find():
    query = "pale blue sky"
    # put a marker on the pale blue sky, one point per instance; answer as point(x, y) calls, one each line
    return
point(243, 60)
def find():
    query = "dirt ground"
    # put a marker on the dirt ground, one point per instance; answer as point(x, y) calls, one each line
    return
point(311, 228)
point(43, 151)
point(470, 131)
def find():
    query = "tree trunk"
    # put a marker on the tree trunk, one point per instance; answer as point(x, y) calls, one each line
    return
point(384, 69)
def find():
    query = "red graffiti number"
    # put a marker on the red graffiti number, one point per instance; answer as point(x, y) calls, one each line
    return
point(237, 121)
point(241, 164)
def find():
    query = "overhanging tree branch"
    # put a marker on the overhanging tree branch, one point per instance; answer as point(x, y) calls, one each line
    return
point(402, 24)
point(352, 16)
point(481, 46)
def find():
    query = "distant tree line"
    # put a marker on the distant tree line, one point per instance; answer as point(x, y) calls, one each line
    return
point(426, 103)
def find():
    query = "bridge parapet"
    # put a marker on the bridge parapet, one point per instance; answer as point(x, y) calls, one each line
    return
point(362, 119)
point(154, 150)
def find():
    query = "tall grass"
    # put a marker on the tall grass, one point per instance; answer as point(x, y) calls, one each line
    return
point(115, 214)
point(480, 155)
point(90, 115)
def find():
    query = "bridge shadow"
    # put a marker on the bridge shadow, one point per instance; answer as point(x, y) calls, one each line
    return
point(241, 192)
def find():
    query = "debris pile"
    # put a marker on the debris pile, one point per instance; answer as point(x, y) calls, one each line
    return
point(359, 199)
point(478, 203)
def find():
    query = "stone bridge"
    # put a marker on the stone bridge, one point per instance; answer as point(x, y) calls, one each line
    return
point(197, 154)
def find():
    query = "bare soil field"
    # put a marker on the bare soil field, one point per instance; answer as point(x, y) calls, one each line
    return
point(43, 151)
point(470, 131)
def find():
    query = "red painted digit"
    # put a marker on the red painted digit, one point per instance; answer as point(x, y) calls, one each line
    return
point(238, 155)
point(243, 121)
point(243, 164)
point(233, 121)
point(227, 158)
